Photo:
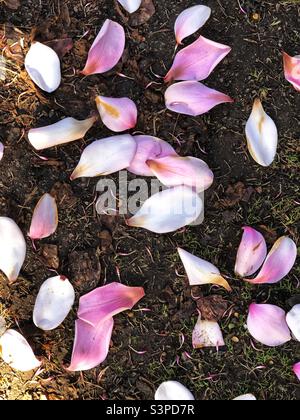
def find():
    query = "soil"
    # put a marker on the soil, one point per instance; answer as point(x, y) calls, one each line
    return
point(153, 345)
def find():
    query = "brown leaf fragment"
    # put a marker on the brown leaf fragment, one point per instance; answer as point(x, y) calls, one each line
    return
point(212, 307)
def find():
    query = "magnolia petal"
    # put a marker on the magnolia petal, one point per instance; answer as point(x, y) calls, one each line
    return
point(106, 301)
point(262, 135)
point(117, 114)
point(17, 353)
point(292, 70)
point(173, 390)
point(190, 20)
point(193, 98)
point(43, 66)
point(45, 218)
point(149, 147)
point(176, 170)
point(53, 303)
point(296, 370)
point(246, 397)
point(62, 132)
point(293, 321)
point(168, 210)
point(106, 156)
point(251, 254)
point(197, 61)
point(201, 272)
point(267, 324)
point(91, 344)
point(12, 248)
point(1, 150)
point(130, 6)
point(279, 262)
point(106, 50)
point(207, 334)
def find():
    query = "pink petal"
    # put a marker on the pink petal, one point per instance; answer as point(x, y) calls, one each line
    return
point(45, 218)
point(1, 150)
point(106, 50)
point(193, 98)
point(267, 324)
point(117, 114)
point(296, 370)
point(197, 61)
point(91, 344)
point(149, 147)
point(279, 262)
point(190, 20)
point(292, 70)
point(251, 253)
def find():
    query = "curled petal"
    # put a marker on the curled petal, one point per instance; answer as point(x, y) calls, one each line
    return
point(279, 262)
point(293, 321)
point(197, 61)
point(106, 156)
point(267, 324)
point(193, 98)
point(117, 114)
point(168, 210)
point(201, 272)
point(173, 390)
point(53, 303)
point(130, 6)
point(292, 70)
point(62, 132)
point(207, 334)
point(246, 397)
point(1, 150)
point(251, 254)
point(12, 248)
point(176, 170)
point(17, 353)
point(190, 20)
point(262, 135)
point(296, 370)
point(106, 50)
point(43, 66)
point(45, 218)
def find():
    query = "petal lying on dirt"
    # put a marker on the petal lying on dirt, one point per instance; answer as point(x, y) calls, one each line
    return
point(117, 114)
point(149, 147)
point(17, 353)
point(53, 303)
point(190, 21)
point(201, 272)
point(296, 370)
point(176, 170)
point(12, 248)
point(130, 6)
point(168, 210)
point(106, 156)
point(262, 135)
point(279, 262)
point(43, 66)
point(267, 324)
point(193, 98)
point(197, 61)
point(106, 50)
point(293, 321)
point(173, 390)
point(246, 397)
point(292, 70)
point(1, 150)
point(207, 334)
point(107, 301)
point(62, 132)
point(251, 254)
point(45, 218)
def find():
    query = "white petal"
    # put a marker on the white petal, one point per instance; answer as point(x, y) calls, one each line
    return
point(293, 321)
point(130, 6)
point(246, 397)
point(43, 66)
point(53, 303)
point(207, 334)
point(262, 135)
point(1, 151)
point(173, 390)
point(190, 20)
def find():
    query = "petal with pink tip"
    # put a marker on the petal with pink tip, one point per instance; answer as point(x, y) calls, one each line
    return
point(267, 324)
point(117, 114)
point(106, 50)
point(197, 61)
point(251, 254)
point(207, 334)
point(45, 218)
point(296, 370)
point(190, 20)
point(173, 390)
point(1, 151)
point(279, 262)
point(292, 70)
point(193, 98)
point(130, 6)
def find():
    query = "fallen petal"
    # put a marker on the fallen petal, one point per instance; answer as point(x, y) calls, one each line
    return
point(173, 390)
point(117, 114)
point(293, 321)
point(130, 6)
point(106, 50)
point(207, 334)
point(262, 135)
point(1, 151)
point(190, 21)
point(45, 218)
point(246, 397)
point(296, 370)
point(193, 98)
point(292, 70)
point(201, 272)
point(267, 324)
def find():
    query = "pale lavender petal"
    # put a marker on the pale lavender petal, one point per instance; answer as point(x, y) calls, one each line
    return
point(1, 150)
point(296, 370)
point(251, 254)
point(292, 70)
point(117, 114)
point(293, 321)
point(130, 6)
point(45, 218)
point(190, 20)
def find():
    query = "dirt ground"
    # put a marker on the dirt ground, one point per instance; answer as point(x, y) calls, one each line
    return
point(147, 346)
